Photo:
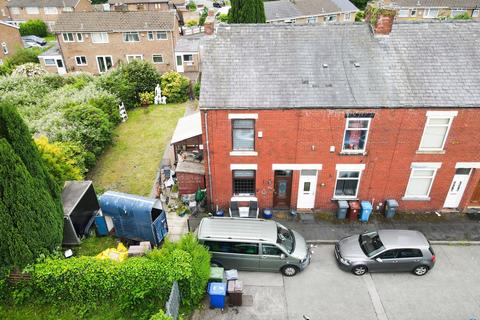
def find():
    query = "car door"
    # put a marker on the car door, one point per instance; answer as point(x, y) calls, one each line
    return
point(271, 258)
point(408, 259)
point(385, 261)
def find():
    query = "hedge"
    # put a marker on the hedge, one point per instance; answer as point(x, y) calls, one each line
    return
point(34, 27)
point(138, 285)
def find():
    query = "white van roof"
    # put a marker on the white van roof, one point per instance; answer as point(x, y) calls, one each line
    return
point(237, 229)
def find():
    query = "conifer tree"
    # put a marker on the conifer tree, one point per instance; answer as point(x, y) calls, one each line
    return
point(246, 11)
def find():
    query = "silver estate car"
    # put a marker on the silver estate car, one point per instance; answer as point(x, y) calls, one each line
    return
point(385, 250)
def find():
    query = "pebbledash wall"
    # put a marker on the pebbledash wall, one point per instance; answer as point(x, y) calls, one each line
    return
point(305, 136)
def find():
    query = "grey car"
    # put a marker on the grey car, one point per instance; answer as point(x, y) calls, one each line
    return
point(385, 250)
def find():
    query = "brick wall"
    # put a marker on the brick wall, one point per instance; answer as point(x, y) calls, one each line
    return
point(189, 183)
point(303, 136)
point(11, 36)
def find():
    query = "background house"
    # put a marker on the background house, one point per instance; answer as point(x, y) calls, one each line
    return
point(10, 40)
point(309, 115)
point(97, 41)
point(48, 11)
point(140, 5)
point(309, 11)
point(431, 9)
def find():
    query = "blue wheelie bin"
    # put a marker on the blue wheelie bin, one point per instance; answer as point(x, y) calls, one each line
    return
point(366, 211)
point(217, 292)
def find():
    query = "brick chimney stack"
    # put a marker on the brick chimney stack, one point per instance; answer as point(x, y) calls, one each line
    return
point(209, 25)
point(380, 18)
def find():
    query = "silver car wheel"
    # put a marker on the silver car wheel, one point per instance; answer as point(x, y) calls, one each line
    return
point(359, 270)
point(289, 271)
point(420, 270)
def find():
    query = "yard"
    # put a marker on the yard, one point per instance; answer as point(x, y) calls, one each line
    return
point(130, 164)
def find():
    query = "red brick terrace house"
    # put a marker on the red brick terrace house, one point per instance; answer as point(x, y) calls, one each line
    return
point(303, 116)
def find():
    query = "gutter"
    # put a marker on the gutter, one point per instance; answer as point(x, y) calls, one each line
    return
point(208, 157)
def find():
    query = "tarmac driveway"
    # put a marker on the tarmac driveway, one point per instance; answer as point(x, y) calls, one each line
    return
point(450, 291)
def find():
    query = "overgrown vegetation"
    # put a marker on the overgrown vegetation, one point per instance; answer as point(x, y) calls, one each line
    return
point(175, 87)
point(191, 6)
point(462, 16)
point(20, 57)
point(31, 215)
point(246, 11)
point(223, 18)
point(34, 27)
point(203, 16)
point(138, 286)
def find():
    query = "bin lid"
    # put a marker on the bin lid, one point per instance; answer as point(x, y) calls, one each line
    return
point(216, 273)
point(217, 288)
point(342, 204)
point(392, 203)
point(354, 204)
point(366, 205)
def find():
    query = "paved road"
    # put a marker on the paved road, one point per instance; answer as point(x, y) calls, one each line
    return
point(451, 291)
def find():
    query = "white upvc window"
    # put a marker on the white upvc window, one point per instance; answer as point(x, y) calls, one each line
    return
point(4, 48)
point(104, 63)
point(348, 180)
point(436, 130)
point(348, 16)
point(456, 12)
point(68, 37)
point(421, 180)
point(312, 20)
point(413, 12)
point(80, 37)
point(49, 62)
point(50, 10)
point(150, 36)
point(67, 9)
point(430, 13)
point(331, 18)
point(356, 135)
point(403, 13)
point(81, 60)
point(475, 13)
point(32, 10)
point(131, 37)
point(157, 58)
point(162, 35)
point(15, 10)
point(99, 37)
point(131, 57)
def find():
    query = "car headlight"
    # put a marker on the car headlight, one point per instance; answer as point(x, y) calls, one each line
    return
point(345, 261)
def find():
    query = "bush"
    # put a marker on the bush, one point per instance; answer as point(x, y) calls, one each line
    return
point(175, 87)
point(203, 16)
point(223, 17)
point(196, 89)
point(192, 23)
point(360, 16)
point(462, 16)
point(29, 70)
point(191, 6)
point(34, 27)
point(146, 98)
point(160, 315)
point(20, 57)
point(129, 80)
point(138, 285)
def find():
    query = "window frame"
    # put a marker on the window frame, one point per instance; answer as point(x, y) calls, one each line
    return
point(104, 58)
point(14, 10)
point(235, 194)
point(81, 64)
point(49, 64)
point(67, 9)
point(233, 135)
point(50, 10)
point(125, 36)
point(161, 32)
point(335, 196)
point(150, 36)
point(103, 38)
point(426, 13)
point(330, 18)
point(36, 10)
point(66, 34)
point(312, 20)
point(406, 12)
point(458, 11)
point(356, 151)
point(133, 57)
point(436, 115)
point(81, 38)
point(157, 54)
point(432, 180)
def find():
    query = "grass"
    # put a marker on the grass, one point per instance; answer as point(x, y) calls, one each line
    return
point(131, 163)
point(50, 38)
point(92, 246)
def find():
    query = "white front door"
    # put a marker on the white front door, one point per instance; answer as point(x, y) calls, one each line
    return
point(60, 66)
point(180, 63)
point(459, 183)
point(306, 189)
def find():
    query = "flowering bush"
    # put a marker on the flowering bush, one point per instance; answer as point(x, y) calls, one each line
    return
point(29, 69)
point(146, 98)
point(175, 87)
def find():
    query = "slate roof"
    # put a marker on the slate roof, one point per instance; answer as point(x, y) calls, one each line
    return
point(110, 21)
point(460, 4)
point(420, 64)
point(283, 9)
point(42, 3)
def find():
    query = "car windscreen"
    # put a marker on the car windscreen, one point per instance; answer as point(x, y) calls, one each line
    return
point(370, 243)
point(285, 238)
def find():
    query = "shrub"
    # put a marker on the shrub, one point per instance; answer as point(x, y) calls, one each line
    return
point(146, 98)
point(29, 70)
point(191, 6)
point(223, 17)
point(20, 57)
point(60, 160)
point(34, 27)
point(203, 16)
point(196, 89)
point(462, 16)
point(175, 87)
point(192, 23)
point(360, 16)
point(160, 315)
point(129, 80)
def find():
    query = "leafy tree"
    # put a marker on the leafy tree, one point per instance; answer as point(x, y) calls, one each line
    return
point(247, 11)
point(191, 6)
point(359, 16)
point(61, 160)
point(31, 216)
point(203, 16)
point(360, 4)
point(175, 87)
point(34, 27)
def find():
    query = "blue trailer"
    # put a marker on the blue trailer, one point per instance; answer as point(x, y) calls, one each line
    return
point(135, 217)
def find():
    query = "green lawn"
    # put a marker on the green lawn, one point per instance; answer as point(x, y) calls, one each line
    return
point(131, 163)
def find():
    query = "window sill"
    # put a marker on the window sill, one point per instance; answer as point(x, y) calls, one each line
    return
point(353, 153)
point(345, 198)
point(244, 153)
point(413, 198)
point(430, 152)
point(243, 198)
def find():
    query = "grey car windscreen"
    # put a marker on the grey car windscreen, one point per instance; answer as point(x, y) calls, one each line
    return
point(370, 243)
